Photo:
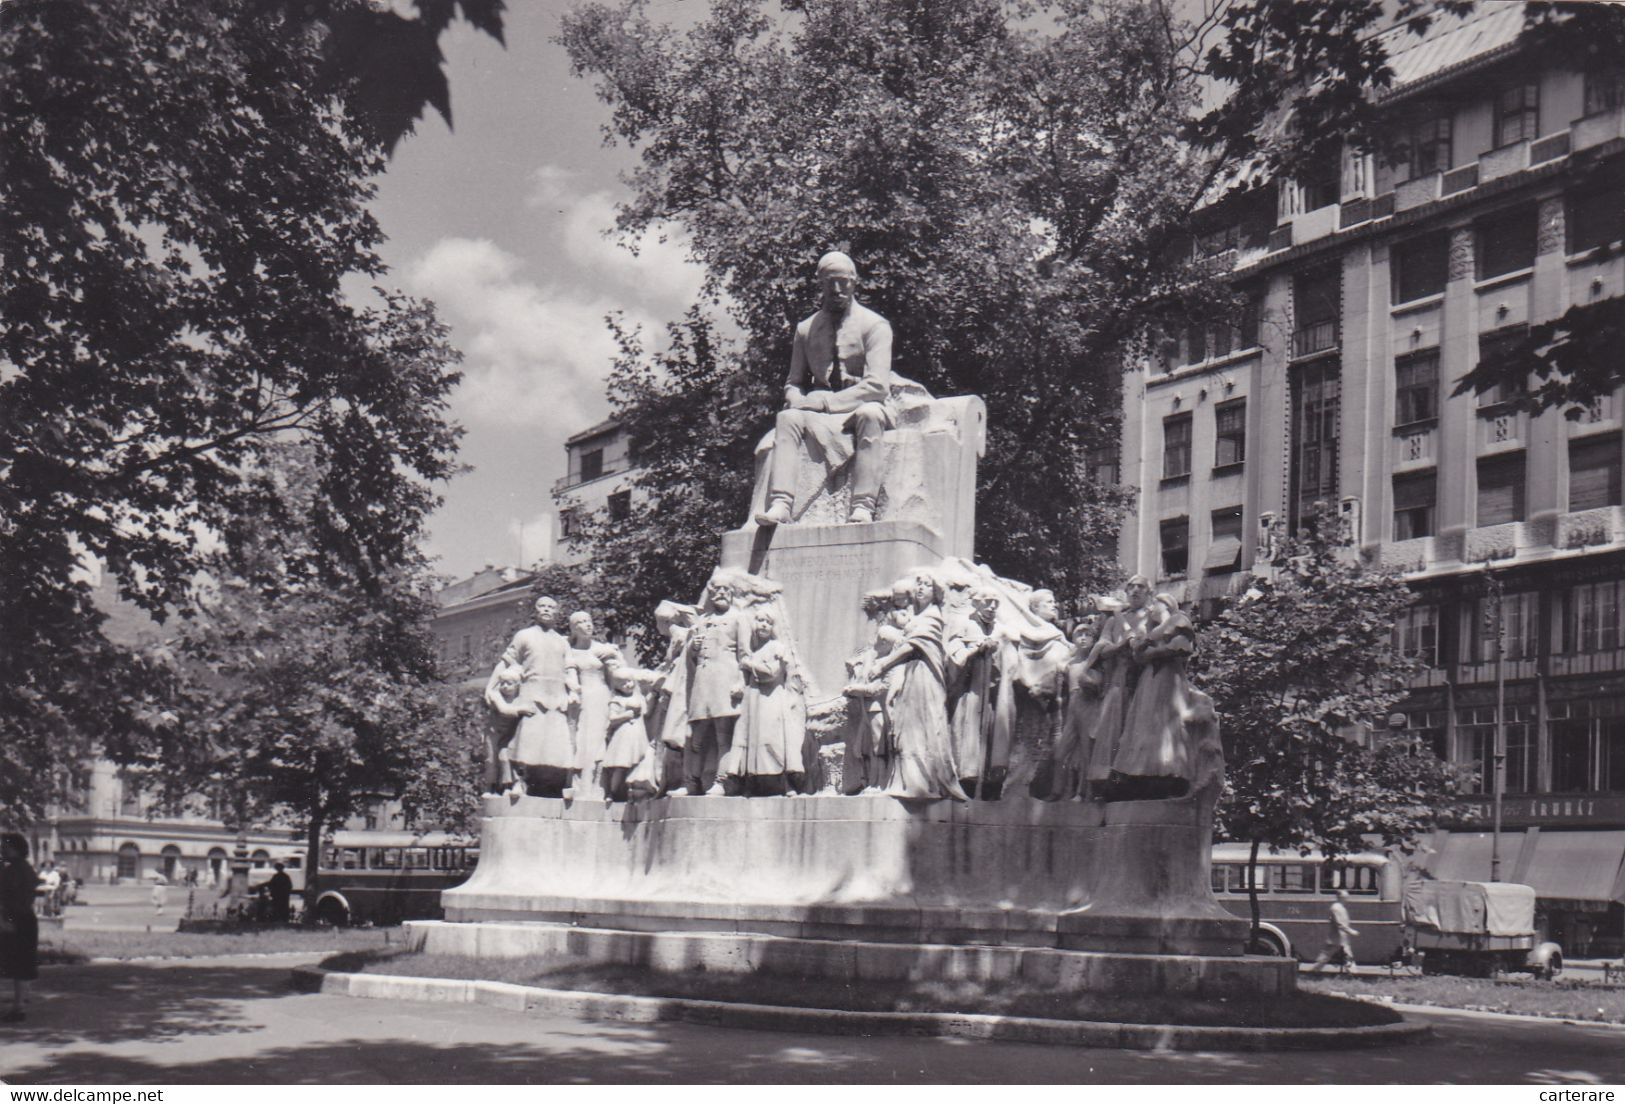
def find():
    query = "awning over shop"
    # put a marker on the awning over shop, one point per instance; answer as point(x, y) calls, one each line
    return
point(1577, 866)
point(1224, 554)
point(1465, 857)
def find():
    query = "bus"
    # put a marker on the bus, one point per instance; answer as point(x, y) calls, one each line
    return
point(378, 877)
point(1295, 894)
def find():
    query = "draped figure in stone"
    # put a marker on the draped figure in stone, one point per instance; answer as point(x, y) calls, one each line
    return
point(1158, 757)
point(1118, 672)
point(923, 767)
point(543, 748)
point(980, 730)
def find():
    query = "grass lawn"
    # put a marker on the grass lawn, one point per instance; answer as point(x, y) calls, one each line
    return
point(559, 972)
point(77, 946)
point(1561, 998)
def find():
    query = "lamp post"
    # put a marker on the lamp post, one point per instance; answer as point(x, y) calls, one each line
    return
point(1494, 618)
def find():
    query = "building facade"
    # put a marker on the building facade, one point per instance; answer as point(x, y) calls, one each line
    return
point(1371, 292)
point(476, 619)
point(599, 466)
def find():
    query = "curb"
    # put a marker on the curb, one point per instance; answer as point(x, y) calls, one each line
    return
point(961, 1025)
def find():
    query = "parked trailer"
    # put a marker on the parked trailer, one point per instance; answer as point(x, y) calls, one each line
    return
point(1477, 929)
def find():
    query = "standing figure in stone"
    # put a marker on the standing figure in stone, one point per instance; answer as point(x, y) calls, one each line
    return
point(771, 726)
point(1035, 681)
point(586, 675)
point(628, 744)
point(835, 396)
point(1154, 758)
point(1118, 673)
point(504, 710)
point(973, 659)
point(543, 749)
point(667, 716)
point(863, 769)
point(1083, 698)
point(923, 767)
point(716, 684)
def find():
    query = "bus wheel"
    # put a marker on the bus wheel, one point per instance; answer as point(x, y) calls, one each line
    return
point(1267, 943)
point(332, 913)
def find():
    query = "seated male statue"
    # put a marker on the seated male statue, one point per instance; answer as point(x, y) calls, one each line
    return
point(835, 397)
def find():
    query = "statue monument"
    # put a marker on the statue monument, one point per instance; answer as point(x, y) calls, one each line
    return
point(1011, 799)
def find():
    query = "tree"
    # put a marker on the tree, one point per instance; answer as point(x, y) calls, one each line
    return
point(309, 699)
point(1019, 195)
point(185, 194)
point(1298, 667)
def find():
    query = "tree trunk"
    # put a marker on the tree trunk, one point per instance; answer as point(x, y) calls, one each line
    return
point(1252, 895)
point(313, 855)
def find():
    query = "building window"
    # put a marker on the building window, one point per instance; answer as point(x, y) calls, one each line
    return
point(1419, 267)
point(1247, 326)
point(1224, 549)
point(620, 505)
point(1590, 617)
point(1415, 496)
point(1175, 547)
point(1103, 465)
point(1594, 473)
point(1324, 185)
point(1317, 306)
point(1427, 147)
point(1596, 219)
point(1429, 729)
point(129, 803)
point(1195, 344)
point(129, 860)
point(1500, 489)
point(1316, 437)
point(1604, 90)
point(1416, 634)
point(570, 521)
point(1505, 242)
point(1517, 114)
point(1494, 346)
point(1588, 747)
point(1230, 428)
point(1520, 627)
point(592, 464)
point(1416, 388)
point(1475, 746)
point(1176, 446)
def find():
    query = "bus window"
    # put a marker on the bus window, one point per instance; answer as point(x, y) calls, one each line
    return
point(1217, 876)
point(417, 858)
point(352, 859)
point(294, 862)
point(385, 858)
point(1292, 878)
point(1358, 880)
point(1242, 876)
point(471, 857)
point(330, 858)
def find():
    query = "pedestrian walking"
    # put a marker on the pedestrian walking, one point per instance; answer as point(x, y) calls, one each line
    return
point(280, 888)
point(19, 927)
point(1339, 932)
point(158, 896)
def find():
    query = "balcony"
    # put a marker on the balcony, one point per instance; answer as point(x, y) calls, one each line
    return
point(1317, 337)
point(1415, 192)
point(1591, 528)
point(1485, 671)
point(1503, 162)
point(1407, 555)
point(1594, 130)
point(1587, 663)
point(1494, 542)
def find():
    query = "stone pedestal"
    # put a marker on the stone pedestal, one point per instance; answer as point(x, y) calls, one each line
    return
point(825, 570)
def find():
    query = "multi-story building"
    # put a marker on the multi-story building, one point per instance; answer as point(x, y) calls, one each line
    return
point(600, 463)
point(1372, 291)
point(476, 618)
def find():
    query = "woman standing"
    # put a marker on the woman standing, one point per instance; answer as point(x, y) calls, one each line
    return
point(19, 928)
point(587, 680)
point(1114, 659)
point(924, 767)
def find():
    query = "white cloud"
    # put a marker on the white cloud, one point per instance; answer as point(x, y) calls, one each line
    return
point(660, 268)
point(533, 354)
point(533, 537)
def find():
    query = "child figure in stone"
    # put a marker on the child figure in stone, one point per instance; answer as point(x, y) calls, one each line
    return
point(586, 667)
point(864, 766)
point(627, 746)
point(504, 710)
point(768, 741)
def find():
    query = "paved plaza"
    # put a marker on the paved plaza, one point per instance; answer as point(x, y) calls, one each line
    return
point(235, 1020)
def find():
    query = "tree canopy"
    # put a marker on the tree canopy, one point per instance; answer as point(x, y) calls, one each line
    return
point(186, 191)
point(1018, 185)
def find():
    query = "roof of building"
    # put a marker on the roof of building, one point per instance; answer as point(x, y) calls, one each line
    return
point(1451, 45)
point(608, 425)
point(489, 580)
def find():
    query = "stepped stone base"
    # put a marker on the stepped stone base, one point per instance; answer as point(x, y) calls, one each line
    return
point(1126, 878)
point(1200, 976)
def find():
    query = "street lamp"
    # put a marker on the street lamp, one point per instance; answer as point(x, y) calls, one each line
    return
point(1493, 617)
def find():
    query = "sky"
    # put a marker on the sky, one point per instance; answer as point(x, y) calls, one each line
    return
point(499, 220)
